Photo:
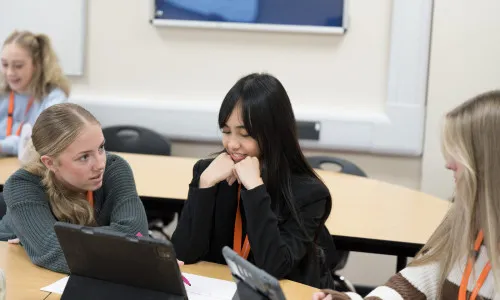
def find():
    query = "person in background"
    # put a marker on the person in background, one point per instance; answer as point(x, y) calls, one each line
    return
point(461, 259)
point(30, 81)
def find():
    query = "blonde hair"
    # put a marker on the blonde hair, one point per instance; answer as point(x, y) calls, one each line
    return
point(47, 72)
point(471, 137)
point(55, 129)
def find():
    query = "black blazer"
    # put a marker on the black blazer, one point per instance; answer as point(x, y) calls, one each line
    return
point(277, 246)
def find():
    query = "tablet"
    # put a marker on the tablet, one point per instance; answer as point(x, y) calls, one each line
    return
point(257, 280)
point(112, 258)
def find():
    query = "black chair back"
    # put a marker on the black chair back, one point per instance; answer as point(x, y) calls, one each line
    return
point(136, 139)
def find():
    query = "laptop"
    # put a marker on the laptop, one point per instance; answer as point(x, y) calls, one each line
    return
point(110, 265)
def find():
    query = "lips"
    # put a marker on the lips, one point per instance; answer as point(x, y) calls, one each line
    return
point(236, 157)
point(96, 177)
point(15, 81)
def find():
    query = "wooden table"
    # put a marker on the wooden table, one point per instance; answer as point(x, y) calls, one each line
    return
point(368, 215)
point(377, 217)
point(8, 165)
point(292, 290)
point(24, 279)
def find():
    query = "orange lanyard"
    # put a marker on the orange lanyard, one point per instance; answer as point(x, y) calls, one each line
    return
point(243, 252)
point(10, 115)
point(90, 198)
point(462, 293)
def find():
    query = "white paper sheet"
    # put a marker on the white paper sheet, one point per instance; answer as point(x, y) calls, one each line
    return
point(57, 287)
point(209, 288)
point(201, 287)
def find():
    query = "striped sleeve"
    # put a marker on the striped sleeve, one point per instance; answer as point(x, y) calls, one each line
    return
point(415, 283)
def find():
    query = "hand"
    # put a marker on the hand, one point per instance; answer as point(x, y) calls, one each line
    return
point(321, 296)
point(248, 172)
point(220, 169)
point(180, 263)
point(234, 177)
point(13, 241)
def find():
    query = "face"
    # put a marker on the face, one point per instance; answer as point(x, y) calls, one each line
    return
point(454, 166)
point(81, 165)
point(236, 140)
point(17, 67)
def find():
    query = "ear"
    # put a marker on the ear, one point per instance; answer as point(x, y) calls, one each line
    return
point(49, 162)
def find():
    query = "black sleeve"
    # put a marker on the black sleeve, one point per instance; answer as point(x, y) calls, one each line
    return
point(191, 238)
point(278, 248)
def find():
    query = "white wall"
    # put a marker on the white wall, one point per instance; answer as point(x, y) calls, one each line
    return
point(128, 57)
point(465, 61)
point(173, 74)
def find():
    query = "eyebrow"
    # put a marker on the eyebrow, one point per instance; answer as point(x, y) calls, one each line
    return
point(14, 61)
point(239, 126)
point(87, 151)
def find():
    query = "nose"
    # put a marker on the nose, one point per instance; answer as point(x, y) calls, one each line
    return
point(9, 71)
point(450, 166)
point(100, 162)
point(233, 143)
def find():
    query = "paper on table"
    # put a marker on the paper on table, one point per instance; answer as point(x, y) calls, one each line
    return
point(57, 287)
point(201, 287)
point(209, 288)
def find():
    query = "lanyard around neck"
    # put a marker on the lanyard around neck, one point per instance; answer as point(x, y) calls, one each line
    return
point(90, 198)
point(238, 228)
point(462, 293)
point(10, 115)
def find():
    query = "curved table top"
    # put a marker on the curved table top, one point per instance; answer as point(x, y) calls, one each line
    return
point(362, 207)
point(24, 279)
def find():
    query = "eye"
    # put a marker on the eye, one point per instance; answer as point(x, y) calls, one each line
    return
point(244, 133)
point(84, 158)
point(101, 149)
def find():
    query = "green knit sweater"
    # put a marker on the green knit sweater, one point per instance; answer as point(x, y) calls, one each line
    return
point(29, 217)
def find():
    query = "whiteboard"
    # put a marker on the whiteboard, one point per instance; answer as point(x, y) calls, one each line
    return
point(64, 21)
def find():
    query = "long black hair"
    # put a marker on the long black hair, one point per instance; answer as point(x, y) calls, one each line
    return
point(268, 117)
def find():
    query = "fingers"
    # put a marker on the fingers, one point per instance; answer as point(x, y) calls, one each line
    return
point(180, 263)
point(235, 174)
point(230, 180)
point(318, 296)
point(13, 241)
point(233, 177)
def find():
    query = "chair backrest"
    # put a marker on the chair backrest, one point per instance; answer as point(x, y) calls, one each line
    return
point(136, 139)
point(346, 166)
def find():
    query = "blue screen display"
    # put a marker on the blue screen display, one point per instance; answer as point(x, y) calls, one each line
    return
point(327, 13)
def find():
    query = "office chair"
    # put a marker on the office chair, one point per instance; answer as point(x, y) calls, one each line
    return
point(140, 140)
point(135, 139)
point(346, 167)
